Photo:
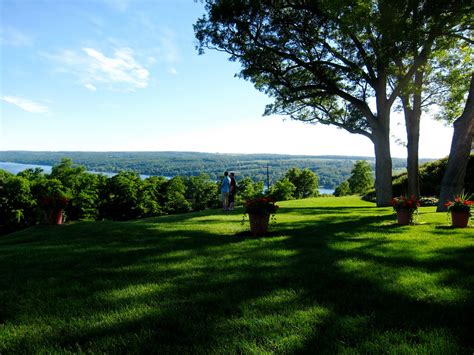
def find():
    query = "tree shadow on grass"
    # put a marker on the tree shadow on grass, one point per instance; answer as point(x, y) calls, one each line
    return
point(142, 289)
point(327, 210)
point(387, 309)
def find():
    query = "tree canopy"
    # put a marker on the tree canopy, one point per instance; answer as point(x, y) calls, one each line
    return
point(328, 61)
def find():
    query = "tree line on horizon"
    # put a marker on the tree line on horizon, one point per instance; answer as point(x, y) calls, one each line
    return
point(331, 170)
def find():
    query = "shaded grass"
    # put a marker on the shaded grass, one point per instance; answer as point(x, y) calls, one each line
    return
point(335, 275)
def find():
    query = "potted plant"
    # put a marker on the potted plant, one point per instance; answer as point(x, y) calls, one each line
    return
point(460, 209)
point(259, 210)
point(405, 207)
point(53, 206)
point(52, 199)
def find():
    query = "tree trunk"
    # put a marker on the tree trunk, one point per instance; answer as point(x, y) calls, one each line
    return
point(453, 179)
point(412, 123)
point(383, 159)
point(413, 139)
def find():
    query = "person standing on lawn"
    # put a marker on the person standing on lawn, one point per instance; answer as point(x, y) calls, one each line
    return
point(233, 186)
point(225, 189)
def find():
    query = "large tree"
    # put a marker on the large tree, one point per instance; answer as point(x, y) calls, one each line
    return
point(442, 81)
point(327, 61)
point(453, 179)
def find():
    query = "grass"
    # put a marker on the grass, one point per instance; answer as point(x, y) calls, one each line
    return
point(334, 275)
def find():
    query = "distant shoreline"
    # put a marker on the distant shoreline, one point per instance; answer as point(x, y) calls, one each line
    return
point(331, 170)
point(318, 156)
point(15, 168)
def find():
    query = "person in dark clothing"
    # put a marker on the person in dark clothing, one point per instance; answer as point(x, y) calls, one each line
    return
point(233, 186)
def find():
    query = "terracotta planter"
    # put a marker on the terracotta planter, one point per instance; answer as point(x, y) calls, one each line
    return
point(459, 219)
point(53, 216)
point(404, 216)
point(259, 224)
point(58, 217)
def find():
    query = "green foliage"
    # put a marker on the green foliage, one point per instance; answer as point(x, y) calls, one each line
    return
point(175, 200)
point(121, 199)
point(460, 203)
point(283, 190)
point(335, 274)
point(431, 175)
point(67, 173)
point(361, 180)
point(153, 196)
point(450, 77)
point(202, 192)
point(29, 197)
point(343, 189)
point(405, 203)
point(310, 59)
point(247, 189)
point(86, 197)
point(305, 182)
point(16, 202)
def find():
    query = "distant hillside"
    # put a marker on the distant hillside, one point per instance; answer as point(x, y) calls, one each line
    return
point(331, 169)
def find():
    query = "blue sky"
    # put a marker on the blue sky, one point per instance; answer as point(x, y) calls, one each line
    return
point(108, 75)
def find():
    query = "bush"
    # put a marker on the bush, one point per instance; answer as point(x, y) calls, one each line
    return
point(282, 190)
point(343, 189)
point(431, 175)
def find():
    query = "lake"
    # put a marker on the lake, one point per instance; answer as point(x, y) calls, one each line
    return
point(325, 191)
point(15, 168)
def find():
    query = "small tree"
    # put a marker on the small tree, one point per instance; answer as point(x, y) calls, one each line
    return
point(361, 179)
point(16, 203)
point(153, 195)
point(283, 190)
point(248, 189)
point(68, 173)
point(305, 182)
point(121, 197)
point(201, 192)
point(85, 197)
point(343, 189)
point(175, 196)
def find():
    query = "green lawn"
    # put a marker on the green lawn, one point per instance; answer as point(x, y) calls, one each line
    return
point(334, 275)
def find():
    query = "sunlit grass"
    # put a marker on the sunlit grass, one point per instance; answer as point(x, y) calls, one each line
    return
point(333, 275)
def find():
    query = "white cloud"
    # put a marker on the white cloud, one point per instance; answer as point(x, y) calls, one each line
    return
point(25, 104)
point(90, 87)
point(172, 71)
point(13, 37)
point(121, 71)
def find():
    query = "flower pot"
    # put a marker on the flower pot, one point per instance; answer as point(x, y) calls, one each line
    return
point(459, 219)
point(404, 216)
point(259, 223)
point(58, 217)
